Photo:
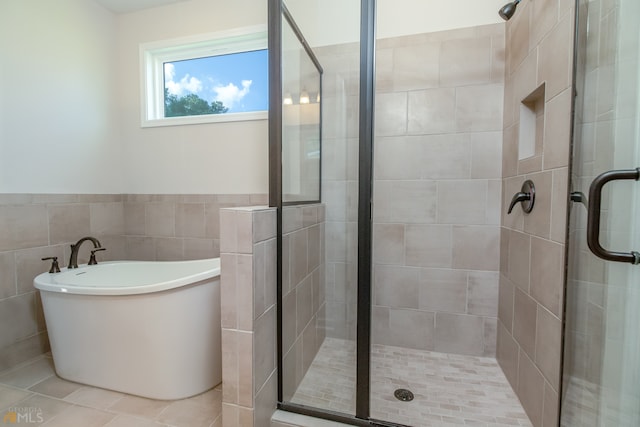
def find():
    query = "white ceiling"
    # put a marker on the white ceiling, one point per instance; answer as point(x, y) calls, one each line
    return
point(125, 6)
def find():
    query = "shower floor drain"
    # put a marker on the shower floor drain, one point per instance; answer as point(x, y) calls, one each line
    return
point(403, 394)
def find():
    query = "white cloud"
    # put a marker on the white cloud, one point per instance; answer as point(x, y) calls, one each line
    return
point(231, 94)
point(187, 84)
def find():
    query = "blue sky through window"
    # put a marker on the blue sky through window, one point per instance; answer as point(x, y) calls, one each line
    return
point(238, 80)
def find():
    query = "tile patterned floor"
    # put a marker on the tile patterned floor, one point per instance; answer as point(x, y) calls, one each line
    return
point(52, 402)
point(450, 390)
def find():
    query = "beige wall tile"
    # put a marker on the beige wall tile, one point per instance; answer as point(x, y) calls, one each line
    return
point(265, 402)
point(304, 304)
point(555, 55)
point(431, 111)
point(398, 157)
point(17, 318)
point(549, 346)
point(228, 233)
point(476, 247)
point(545, 15)
point(518, 264)
point(244, 291)
point(160, 219)
point(23, 350)
point(389, 243)
point(505, 303)
point(8, 285)
point(446, 156)
point(518, 37)
point(415, 67)
point(559, 201)
point(230, 366)
point(486, 154)
point(426, 246)
point(396, 286)
point(462, 202)
point(510, 151)
point(465, 61)
point(201, 248)
point(228, 291)
point(68, 223)
point(169, 249)
point(490, 336)
point(409, 201)
point(106, 218)
point(23, 226)
point(28, 264)
point(479, 108)
point(190, 220)
point(547, 264)
point(245, 368)
point(524, 321)
point(244, 231)
point(443, 290)
point(557, 128)
point(459, 334)
point(264, 225)
point(551, 407)
point(134, 218)
point(299, 256)
point(391, 114)
point(483, 293)
point(530, 389)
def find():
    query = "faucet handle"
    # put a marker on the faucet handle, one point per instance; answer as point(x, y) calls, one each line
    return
point(55, 268)
point(92, 258)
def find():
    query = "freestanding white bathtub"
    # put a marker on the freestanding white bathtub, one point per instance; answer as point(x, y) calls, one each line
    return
point(150, 329)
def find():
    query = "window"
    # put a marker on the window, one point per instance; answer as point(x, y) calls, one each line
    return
point(209, 78)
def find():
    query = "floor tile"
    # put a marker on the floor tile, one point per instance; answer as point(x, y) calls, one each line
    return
point(10, 396)
point(55, 387)
point(140, 406)
point(93, 397)
point(79, 416)
point(43, 408)
point(129, 421)
point(27, 375)
point(448, 389)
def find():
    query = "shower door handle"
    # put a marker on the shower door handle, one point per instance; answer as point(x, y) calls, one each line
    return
point(593, 216)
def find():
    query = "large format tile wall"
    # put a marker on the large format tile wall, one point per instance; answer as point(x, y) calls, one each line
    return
point(340, 106)
point(143, 227)
point(437, 187)
point(538, 61)
point(303, 291)
point(248, 300)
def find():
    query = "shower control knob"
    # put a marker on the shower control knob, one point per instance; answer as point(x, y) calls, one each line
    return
point(526, 196)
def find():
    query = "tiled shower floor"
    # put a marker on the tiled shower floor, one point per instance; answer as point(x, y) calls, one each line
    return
point(33, 386)
point(449, 389)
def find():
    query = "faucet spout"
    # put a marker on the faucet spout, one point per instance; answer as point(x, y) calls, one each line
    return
point(75, 248)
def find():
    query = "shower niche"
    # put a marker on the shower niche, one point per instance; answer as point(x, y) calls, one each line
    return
point(531, 131)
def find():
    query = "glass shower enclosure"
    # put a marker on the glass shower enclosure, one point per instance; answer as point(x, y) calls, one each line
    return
point(601, 375)
point(388, 282)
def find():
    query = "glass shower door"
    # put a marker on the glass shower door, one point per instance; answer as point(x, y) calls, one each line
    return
point(601, 377)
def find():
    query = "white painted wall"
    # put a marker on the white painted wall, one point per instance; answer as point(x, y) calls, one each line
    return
point(70, 103)
point(395, 17)
point(58, 131)
point(205, 158)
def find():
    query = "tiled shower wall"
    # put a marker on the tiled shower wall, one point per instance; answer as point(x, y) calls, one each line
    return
point(538, 56)
point(437, 187)
point(340, 90)
point(303, 291)
point(143, 227)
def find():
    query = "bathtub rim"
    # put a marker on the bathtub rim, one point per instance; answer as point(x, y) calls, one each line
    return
point(49, 281)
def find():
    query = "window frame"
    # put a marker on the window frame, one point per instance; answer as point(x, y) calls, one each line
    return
point(153, 55)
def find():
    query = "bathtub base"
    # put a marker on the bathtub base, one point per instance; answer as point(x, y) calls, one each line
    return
point(163, 345)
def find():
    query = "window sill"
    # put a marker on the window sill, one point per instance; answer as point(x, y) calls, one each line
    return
point(209, 118)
